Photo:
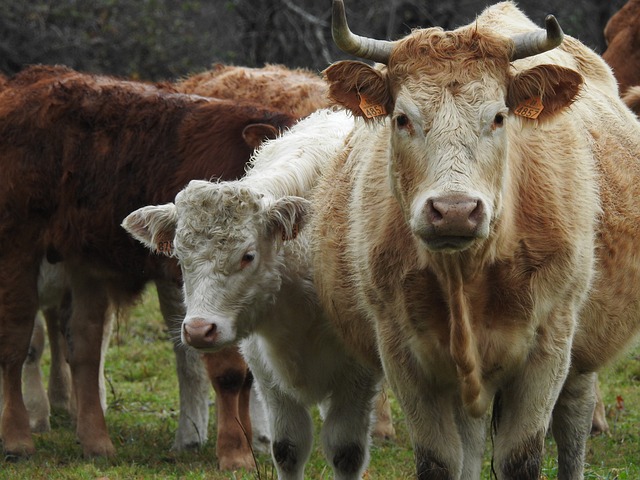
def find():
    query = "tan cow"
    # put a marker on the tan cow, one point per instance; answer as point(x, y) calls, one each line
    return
point(297, 91)
point(480, 228)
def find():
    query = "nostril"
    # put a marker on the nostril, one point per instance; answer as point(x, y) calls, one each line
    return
point(476, 215)
point(199, 333)
point(433, 212)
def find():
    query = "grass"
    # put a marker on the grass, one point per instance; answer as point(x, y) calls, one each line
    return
point(143, 412)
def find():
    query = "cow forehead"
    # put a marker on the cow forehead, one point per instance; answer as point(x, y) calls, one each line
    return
point(459, 57)
point(217, 216)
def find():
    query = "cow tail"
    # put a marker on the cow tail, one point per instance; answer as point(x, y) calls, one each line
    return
point(464, 350)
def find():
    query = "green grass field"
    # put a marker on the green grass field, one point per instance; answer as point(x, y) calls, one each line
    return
point(143, 412)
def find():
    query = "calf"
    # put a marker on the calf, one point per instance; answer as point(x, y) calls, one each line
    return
point(78, 152)
point(247, 277)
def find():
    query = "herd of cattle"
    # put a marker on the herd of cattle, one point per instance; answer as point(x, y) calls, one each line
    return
point(456, 221)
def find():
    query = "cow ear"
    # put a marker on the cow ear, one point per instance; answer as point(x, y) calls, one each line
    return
point(543, 91)
point(256, 133)
point(154, 226)
point(360, 88)
point(287, 215)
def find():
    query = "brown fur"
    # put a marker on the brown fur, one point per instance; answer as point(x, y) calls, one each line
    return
point(622, 34)
point(296, 91)
point(453, 329)
point(632, 99)
point(78, 153)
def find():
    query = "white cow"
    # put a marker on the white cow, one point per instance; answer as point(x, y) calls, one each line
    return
point(247, 276)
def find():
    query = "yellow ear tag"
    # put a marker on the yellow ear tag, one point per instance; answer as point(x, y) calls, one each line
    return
point(530, 108)
point(371, 110)
point(165, 247)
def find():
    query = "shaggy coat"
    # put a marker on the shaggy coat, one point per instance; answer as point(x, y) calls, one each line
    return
point(489, 256)
point(297, 91)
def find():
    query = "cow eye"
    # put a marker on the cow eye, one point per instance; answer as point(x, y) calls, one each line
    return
point(498, 120)
point(402, 121)
point(247, 258)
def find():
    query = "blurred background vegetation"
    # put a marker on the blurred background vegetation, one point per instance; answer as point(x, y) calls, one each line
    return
point(167, 39)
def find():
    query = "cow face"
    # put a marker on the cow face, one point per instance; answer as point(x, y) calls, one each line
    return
point(446, 101)
point(228, 240)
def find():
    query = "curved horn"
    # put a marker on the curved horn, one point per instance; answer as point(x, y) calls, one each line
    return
point(533, 43)
point(363, 47)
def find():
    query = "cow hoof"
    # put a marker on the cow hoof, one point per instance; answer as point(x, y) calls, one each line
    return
point(13, 453)
point(41, 426)
point(384, 432)
point(236, 463)
point(100, 449)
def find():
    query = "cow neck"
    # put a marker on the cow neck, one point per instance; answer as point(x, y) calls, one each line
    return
point(462, 340)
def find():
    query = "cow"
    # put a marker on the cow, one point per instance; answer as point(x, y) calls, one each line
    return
point(477, 229)
point(78, 152)
point(622, 36)
point(297, 91)
point(244, 256)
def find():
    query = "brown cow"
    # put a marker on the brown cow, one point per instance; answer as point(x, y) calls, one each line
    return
point(79, 152)
point(484, 225)
point(622, 34)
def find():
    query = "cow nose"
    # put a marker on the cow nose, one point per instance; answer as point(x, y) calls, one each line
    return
point(454, 215)
point(199, 333)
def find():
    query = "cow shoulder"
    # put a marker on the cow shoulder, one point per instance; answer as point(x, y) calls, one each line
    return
point(557, 88)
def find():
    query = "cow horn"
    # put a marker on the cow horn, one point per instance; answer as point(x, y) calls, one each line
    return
point(362, 47)
point(533, 43)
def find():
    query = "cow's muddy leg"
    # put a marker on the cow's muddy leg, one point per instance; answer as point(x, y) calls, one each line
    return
point(345, 431)
point(431, 416)
point(18, 307)
point(228, 373)
point(90, 307)
point(523, 407)
point(572, 417)
point(193, 384)
point(291, 433)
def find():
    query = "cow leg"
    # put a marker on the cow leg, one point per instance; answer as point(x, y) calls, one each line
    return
point(228, 374)
point(345, 431)
point(259, 423)
point(35, 395)
point(59, 389)
point(193, 421)
point(473, 435)
point(572, 417)
point(291, 429)
point(383, 421)
point(599, 422)
point(90, 306)
point(18, 308)
point(522, 409)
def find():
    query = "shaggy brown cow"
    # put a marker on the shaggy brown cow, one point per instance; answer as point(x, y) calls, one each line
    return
point(484, 225)
point(78, 153)
point(622, 34)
